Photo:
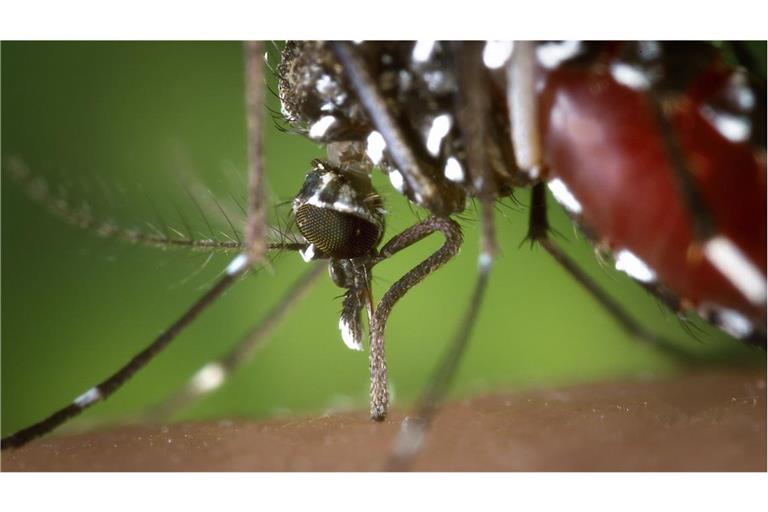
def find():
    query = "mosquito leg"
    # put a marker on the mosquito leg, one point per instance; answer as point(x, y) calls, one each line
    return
point(528, 154)
point(474, 114)
point(453, 238)
point(413, 429)
point(473, 111)
point(538, 232)
point(107, 387)
point(256, 227)
point(256, 249)
point(212, 375)
point(40, 193)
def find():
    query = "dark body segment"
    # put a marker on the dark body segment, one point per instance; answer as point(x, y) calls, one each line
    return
point(601, 138)
point(608, 114)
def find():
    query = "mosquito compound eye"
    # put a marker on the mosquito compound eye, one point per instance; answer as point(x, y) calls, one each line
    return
point(338, 212)
point(336, 234)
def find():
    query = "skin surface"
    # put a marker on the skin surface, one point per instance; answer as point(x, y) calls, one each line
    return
point(713, 420)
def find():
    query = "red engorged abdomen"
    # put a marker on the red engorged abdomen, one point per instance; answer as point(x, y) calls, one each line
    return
point(601, 139)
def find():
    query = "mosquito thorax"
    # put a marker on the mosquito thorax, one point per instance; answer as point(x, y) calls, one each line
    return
point(338, 212)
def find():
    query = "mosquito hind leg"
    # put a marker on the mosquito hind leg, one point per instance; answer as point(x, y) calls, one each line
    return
point(474, 114)
point(214, 374)
point(414, 428)
point(106, 388)
point(538, 233)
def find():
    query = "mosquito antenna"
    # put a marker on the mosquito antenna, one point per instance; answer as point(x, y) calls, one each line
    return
point(183, 218)
point(40, 193)
point(226, 217)
point(238, 203)
point(200, 211)
point(158, 215)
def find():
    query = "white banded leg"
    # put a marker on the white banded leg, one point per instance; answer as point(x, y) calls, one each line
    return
point(257, 247)
point(378, 365)
point(214, 374)
point(474, 116)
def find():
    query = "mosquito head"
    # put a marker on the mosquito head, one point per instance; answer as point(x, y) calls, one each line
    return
point(338, 212)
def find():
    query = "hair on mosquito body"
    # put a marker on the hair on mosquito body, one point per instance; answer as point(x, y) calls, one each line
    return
point(314, 324)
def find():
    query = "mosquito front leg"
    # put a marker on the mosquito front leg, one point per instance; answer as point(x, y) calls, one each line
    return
point(453, 239)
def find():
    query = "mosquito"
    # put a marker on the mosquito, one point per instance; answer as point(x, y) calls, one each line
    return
point(448, 121)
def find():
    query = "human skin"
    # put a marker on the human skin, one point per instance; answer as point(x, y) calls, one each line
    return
point(714, 420)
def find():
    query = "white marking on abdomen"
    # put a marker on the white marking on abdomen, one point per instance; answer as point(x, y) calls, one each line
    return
point(87, 398)
point(630, 76)
point(636, 268)
point(208, 378)
point(726, 257)
point(496, 53)
point(453, 170)
point(564, 196)
point(441, 125)
point(734, 128)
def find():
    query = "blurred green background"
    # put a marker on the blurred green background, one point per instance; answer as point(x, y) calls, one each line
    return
point(120, 127)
